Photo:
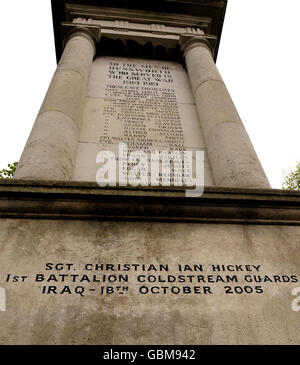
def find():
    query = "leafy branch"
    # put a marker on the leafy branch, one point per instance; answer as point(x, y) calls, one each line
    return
point(8, 173)
point(292, 179)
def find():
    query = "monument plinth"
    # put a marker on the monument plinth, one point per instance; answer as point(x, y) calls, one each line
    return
point(132, 264)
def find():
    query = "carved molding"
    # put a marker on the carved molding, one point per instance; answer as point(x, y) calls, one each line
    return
point(159, 28)
point(92, 31)
point(87, 201)
point(188, 41)
point(162, 17)
point(158, 34)
point(137, 16)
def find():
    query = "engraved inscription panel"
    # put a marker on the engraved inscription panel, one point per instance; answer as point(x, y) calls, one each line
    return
point(144, 103)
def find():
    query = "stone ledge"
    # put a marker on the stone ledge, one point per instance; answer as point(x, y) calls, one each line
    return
point(87, 201)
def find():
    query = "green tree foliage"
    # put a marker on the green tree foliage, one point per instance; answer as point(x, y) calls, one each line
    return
point(9, 172)
point(292, 179)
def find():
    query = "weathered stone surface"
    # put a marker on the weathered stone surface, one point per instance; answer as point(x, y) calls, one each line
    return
point(133, 318)
point(66, 95)
point(215, 105)
point(51, 147)
point(75, 54)
point(237, 158)
point(199, 60)
point(231, 155)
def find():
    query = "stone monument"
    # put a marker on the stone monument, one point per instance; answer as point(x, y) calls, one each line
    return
point(144, 263)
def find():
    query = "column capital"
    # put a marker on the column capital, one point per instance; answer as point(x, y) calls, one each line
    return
point(91, 32)
point(188, 41)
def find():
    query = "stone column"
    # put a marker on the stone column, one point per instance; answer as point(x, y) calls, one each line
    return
point(51, 147)
point(232, 158)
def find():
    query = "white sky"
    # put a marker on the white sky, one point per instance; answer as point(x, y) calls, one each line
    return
point(259, 59)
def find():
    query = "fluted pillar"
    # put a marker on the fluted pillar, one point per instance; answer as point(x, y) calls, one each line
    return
point(51, 147)
point(232, 158)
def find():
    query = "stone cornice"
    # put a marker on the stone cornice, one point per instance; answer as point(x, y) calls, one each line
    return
point(168, 37)
point(86, 201)
point(162, 17)
point(136, 17)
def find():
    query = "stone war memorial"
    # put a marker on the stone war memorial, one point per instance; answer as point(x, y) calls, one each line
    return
point(139, 212)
